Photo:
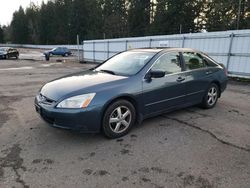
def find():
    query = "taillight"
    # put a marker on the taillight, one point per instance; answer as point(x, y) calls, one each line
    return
point(225, 69)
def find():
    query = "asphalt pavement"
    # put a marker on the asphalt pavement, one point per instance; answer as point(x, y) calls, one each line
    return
point(186, 148)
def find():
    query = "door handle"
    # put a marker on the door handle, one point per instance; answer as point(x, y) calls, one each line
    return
point(209, 72)
point(180, 79)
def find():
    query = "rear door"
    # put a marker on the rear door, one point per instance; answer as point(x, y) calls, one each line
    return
point(198, 76)
point(160, 94)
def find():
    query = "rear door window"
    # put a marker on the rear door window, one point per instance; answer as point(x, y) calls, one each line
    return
point(193, 60)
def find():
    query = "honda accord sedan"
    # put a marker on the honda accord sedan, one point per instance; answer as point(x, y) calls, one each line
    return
point(130, 87)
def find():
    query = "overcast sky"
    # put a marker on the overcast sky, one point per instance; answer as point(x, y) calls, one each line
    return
point(8, 7)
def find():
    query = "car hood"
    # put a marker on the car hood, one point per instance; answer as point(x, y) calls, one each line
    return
point(71, 84)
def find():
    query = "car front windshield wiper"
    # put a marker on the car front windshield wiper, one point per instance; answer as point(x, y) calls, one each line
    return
point(108, 71)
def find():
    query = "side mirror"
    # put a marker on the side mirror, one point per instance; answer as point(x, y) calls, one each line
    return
point(155, 74)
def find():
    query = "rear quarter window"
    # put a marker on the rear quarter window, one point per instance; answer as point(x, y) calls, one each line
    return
point(208, 61)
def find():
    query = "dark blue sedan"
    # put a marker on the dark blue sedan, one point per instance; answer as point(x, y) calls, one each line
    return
point(130, 87)
point(60, 51)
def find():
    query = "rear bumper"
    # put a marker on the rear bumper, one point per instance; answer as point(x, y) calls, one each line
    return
point(83, 120)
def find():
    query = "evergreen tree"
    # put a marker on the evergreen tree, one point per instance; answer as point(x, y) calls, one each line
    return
point(19, 27)
point(175, 16)
point(32, 14)
point(139, 17)
point(47, 23)
point(59, 21)
point(1, 35)
point(222, 15)
point(115, 18)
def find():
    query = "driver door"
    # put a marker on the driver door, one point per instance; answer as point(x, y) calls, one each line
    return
point(162, 94)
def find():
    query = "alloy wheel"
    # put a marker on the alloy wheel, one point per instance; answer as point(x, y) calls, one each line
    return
point(120, 119)
point(212, 96)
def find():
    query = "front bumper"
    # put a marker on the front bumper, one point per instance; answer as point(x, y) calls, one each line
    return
point(84, 120)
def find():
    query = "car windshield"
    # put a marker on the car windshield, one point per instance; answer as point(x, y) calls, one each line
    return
point(126, 63)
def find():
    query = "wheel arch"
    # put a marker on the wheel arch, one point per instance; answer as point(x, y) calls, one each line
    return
point(126, 97)
point(218, 84)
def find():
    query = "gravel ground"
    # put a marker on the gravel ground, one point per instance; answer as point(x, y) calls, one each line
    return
point(187, 148)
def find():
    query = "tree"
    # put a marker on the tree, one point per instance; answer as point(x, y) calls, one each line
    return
point(19, 27)
point(59, 21)
point(222, 15)
point(47, 23)
point(115, 18)
point(139, 17)
point(7, 33)
point(32, 14)
point(174, 16)
point(1, 35)
point(86, 19)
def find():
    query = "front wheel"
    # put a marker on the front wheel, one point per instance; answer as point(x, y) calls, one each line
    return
point(211, 96)
point(118, 119)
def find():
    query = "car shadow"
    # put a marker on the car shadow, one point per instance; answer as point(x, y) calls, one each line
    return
point(67, 136)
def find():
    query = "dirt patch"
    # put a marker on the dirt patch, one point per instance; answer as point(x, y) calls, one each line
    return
point(200, 182)
point(101, 173)
point(15, 162)
point(87, 172)
point(4, 117)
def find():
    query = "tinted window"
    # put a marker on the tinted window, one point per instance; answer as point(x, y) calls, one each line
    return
point(169, 62)
point(208, 61)
point(193, 60)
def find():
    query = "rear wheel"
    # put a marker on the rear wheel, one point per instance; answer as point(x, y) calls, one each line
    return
point(211, 96)
point(118, 119)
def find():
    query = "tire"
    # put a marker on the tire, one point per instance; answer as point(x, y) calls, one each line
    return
point(118, 119)
point(6, 57)
point(211, 96)
point(66, 55)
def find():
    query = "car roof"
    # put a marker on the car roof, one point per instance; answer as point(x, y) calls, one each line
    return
point(156, 50)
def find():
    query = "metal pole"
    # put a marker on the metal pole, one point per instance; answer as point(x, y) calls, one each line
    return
point(150, 43)
point(83, 51)
point(108, 49)
point(238, 17)
point(183, 42)
point(94, 51)
point(180, 28)
point(229, 50)
point(77, 38)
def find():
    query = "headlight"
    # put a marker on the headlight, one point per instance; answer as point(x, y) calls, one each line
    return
point(80, 101)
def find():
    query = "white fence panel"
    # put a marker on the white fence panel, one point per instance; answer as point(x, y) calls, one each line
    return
point(231, 48)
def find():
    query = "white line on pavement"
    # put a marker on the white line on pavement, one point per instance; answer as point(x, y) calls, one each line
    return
point(17, 68)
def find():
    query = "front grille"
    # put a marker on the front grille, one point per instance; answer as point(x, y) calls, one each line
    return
point(45, 100)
